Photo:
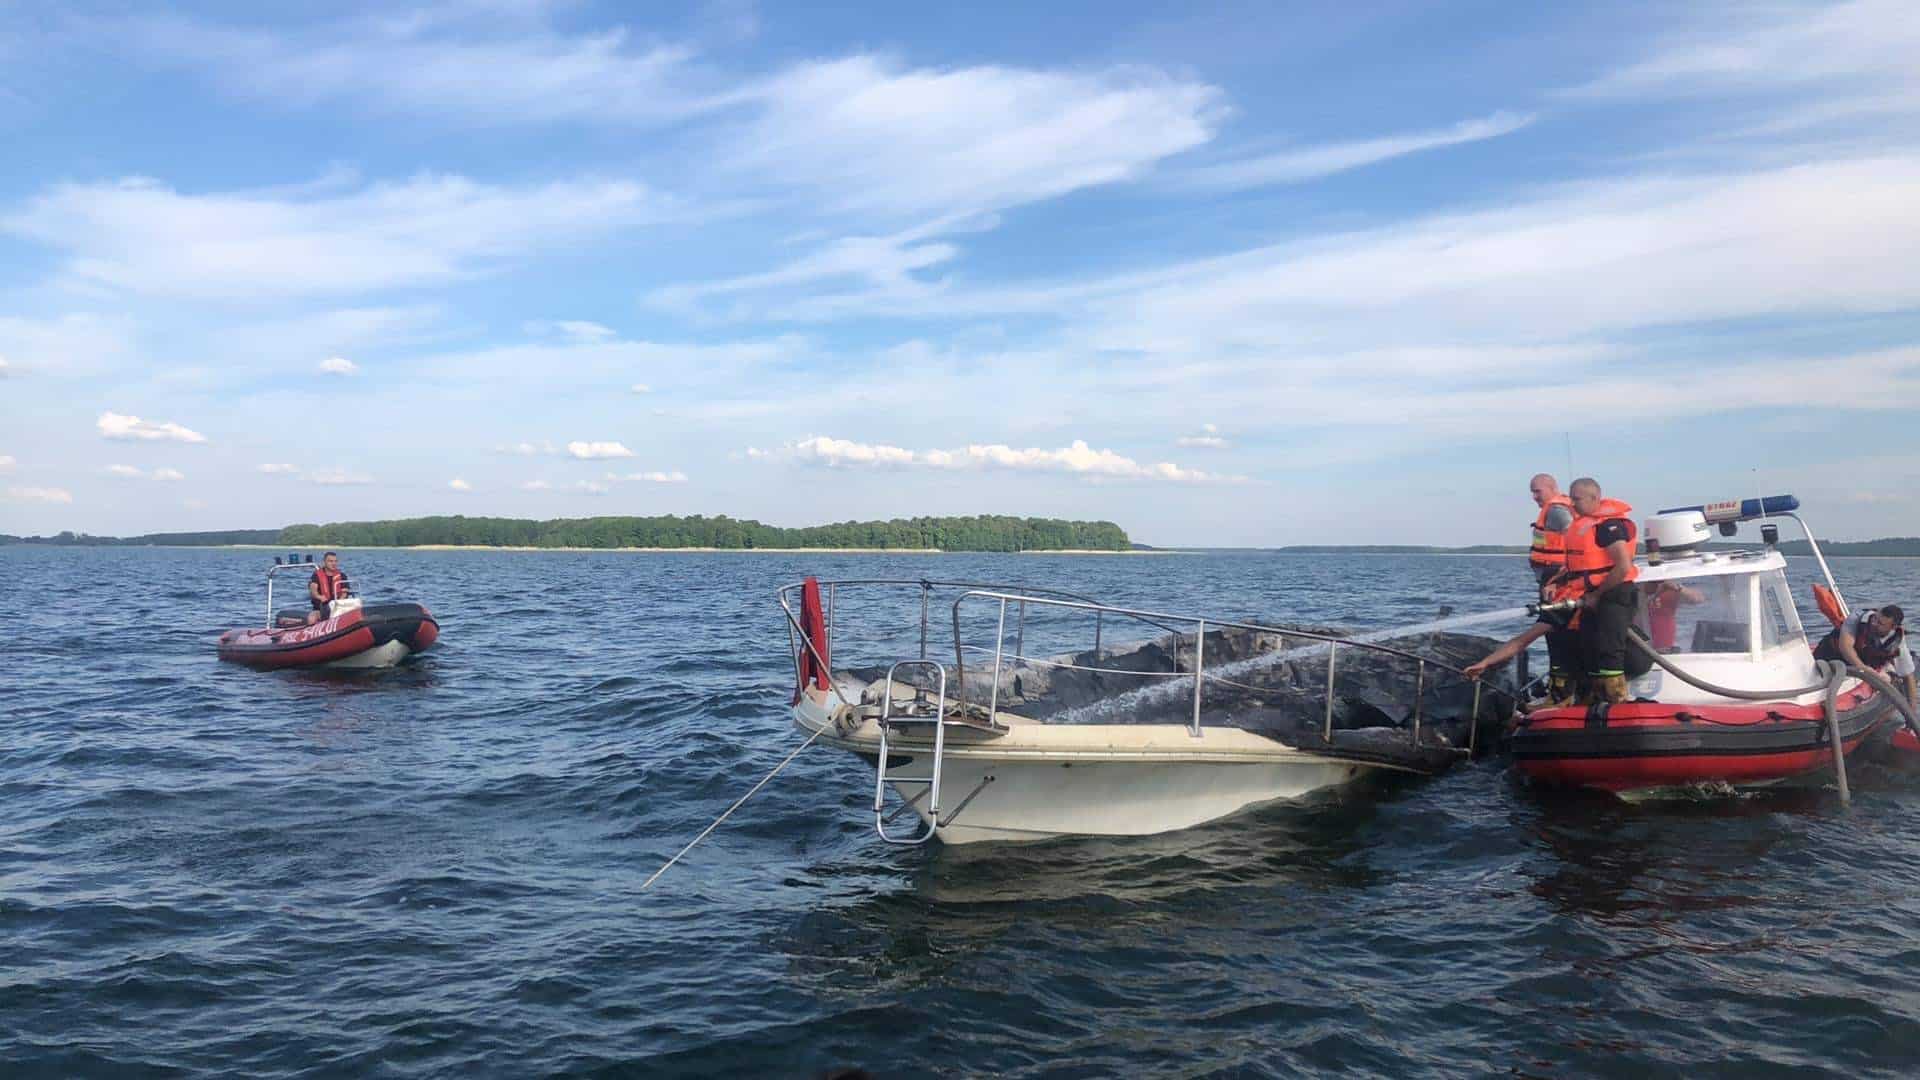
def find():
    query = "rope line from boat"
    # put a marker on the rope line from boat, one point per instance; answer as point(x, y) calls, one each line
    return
point(728, 812)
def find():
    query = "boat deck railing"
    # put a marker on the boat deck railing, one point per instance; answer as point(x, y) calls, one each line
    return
point(1185, 633)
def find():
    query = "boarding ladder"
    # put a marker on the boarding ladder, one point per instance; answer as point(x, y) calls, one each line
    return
point(915, 712)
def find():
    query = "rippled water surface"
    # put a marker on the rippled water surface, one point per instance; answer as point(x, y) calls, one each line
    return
point(437, 870)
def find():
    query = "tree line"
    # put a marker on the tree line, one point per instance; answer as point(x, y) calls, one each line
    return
point(983, 533)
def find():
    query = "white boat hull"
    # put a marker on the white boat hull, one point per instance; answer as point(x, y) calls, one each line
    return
point(1085, 780)
point(1039, 800)
point(380, 656)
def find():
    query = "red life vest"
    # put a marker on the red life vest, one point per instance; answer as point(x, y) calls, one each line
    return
point(1587, 562)
point(1872, 653)
point(332, 584)
point(1549, 544)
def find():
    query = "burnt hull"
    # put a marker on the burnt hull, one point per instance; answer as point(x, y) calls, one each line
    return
point(377, 635)
point(1642, 746)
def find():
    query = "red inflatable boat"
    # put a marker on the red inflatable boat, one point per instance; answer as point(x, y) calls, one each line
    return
point(370, 636)
point(1732, 694)
point(1640, 746)
point(353, 635)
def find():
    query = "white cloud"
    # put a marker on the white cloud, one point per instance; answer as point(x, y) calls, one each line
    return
point(338, 478)
point(642, 388)
point(590, 451)
point(572, 331)
point(657, 477)
point(339, 365)
point(40, 494)
point(277, 469)
point(586, 333)
point(488, 67)
point(1572, 263)
point(1077, 458)
point(875, 135)
point(142, 236)
point(73, 344)
point(590, 368)
point(114, 425)
point(7, 463)
point(1202, 442)
point(167, 474)
point(1298, 165)
point(458, 484)
point(125, 472)
point(886, 265)
point(1809, 64)
point(578, 487)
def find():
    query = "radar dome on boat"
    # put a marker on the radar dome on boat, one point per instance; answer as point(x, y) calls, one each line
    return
point(1678, 530)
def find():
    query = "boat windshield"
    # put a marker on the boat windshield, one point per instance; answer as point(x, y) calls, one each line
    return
point(1779, 621)
point(1714, 613)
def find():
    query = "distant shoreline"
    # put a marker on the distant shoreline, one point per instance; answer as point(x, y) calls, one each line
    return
point(676, 550)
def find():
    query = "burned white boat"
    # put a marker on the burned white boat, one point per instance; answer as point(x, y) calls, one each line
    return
point(1015, 733)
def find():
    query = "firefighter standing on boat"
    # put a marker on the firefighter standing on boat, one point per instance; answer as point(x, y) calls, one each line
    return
point(1599, 575)
point(1566, 667)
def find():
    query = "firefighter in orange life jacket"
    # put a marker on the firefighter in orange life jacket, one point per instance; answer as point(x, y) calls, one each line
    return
point(326, 585)
point(1566, 667)
point(1549, 551)
point(1600, 571)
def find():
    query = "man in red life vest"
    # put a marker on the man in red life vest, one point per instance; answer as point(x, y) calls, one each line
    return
point(325, 586)
point(1876, 640)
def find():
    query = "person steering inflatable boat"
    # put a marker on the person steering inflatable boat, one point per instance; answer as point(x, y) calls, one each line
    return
point(326, 585)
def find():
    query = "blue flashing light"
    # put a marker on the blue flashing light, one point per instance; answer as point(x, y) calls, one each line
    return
point(1741, 509)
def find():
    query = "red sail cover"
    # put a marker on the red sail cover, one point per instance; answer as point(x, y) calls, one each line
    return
point(813, 629)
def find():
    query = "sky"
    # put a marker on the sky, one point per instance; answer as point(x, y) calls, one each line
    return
point(1251, 275)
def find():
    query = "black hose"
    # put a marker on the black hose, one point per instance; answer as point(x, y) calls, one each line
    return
point(1836, 675)
point(1870, 677)
point(1878, 682)
point(1645, 646)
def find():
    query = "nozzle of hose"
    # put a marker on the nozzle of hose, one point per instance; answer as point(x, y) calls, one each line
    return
point(1558, 607)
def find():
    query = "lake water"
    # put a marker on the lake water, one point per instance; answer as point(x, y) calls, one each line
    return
point(437, 870)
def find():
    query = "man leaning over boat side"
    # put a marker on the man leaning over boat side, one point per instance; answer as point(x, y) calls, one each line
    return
point(1876, 640)
point(1547, 556)
point(1600, 572)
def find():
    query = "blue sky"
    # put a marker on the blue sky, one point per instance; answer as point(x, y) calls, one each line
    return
point(1268, 274)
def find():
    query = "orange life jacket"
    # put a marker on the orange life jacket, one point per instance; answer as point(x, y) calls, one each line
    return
point(1587, 562)
point(1549, 545)
point(331, 582)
